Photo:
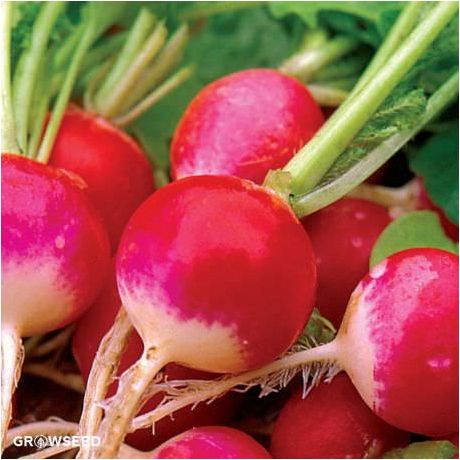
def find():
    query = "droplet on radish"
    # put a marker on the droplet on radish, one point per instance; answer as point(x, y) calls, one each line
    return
point(211, 442)
point(244, 124)
point(332, 422)
point(116, 170)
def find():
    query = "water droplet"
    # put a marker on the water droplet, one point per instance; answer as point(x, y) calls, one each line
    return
point(59, 242)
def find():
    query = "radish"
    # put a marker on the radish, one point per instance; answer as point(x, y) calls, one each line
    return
point(205, 291)
point(398, 342)
point(55, 256)
point(244, 124)
point(211, 442)
point(117, 171)
point(89, 331)
point(332, 422)
point(343, 235)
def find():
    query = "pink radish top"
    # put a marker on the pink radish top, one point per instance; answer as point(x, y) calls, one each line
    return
point(217, 272)
point(244, 124)
point(211, 442)
point(406, 310)
point(55, 251)
point(116, 170)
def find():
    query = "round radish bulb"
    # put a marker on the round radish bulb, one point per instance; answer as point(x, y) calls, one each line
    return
point(343, 235)
point(55, 257)
point(217, 274)
point(244, 125)
point(425, 202)
point(211, 442)
point(399, 341)
point(207, 259)
point(117, 172)
point(85, 342)
point(332, 422)
point(55, 252)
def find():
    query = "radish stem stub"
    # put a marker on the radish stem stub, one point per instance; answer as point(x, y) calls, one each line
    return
point(216, 274)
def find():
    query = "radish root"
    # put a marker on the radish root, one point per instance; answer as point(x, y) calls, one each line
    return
point(132, 393)
point(102, 374)
point(12, 352)
point(314, 363)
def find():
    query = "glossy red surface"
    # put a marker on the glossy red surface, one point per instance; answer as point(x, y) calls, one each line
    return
point(117, 171)
point(88, 334)
point(244, 124)
point(412, 319)
point(332, 422)
point(211, 442)
point(48, 225)
point(343, 235)
point(224, 252)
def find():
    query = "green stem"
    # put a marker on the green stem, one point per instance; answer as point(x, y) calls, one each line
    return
point(328, 194)
point(142, 27)
point(305, 64)
point(112, 103)
point(9, 143)
point(309, 165)
point(211, 8)
point(351, 66)
point(64, 94)
point(168, 58)
point(398, 33)
point(313, 38)
point(327, 96)
point(158, 93)
point(27, 71)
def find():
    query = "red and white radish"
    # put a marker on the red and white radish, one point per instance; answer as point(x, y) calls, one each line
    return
point(211, 442)
point(398, 342)
point(244, 124)
point(207, 291)
point(117, 171)
point(55, 257)
point(89, 331)
point(332, 422)
point(343, 235)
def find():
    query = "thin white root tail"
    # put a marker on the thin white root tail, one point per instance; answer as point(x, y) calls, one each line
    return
point(271, 377)
point(12, 353)
point(101, 376)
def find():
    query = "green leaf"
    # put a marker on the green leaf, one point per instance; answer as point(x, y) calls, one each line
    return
point(425, 449)
point(367, 21)
point(437, 163)
point(402, 110)
point(418, 229)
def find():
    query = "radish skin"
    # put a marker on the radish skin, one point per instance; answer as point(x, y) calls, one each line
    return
point(211, 442)
point(244, 125)
point(116, 170)
point(226, 278)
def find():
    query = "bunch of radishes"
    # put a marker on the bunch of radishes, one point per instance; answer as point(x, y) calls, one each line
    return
point(217, 274)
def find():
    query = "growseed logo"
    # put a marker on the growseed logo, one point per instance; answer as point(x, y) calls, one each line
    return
point(41, 441)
